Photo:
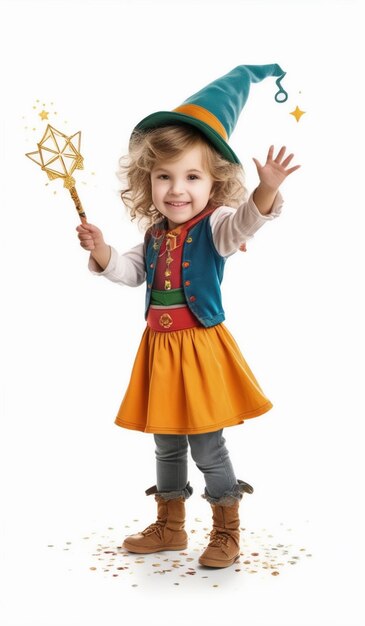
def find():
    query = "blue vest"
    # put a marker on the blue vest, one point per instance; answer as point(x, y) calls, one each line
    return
point(202, 272)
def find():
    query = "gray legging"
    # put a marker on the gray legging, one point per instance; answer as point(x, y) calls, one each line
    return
point(211, 456)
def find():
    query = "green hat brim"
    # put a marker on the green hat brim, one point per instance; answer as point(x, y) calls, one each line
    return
point(166, 118)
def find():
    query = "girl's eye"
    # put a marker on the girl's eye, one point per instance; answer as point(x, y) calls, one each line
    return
point(167, 177)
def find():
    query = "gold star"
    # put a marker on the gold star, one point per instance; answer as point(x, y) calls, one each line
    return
point(43, 115)
point(297, 113)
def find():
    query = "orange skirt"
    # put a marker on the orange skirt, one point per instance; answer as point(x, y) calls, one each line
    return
point(188, 382)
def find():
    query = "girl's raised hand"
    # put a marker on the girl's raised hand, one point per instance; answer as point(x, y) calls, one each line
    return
point(275, 170)
point(90, 236)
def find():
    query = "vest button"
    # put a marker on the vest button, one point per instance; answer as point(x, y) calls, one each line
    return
point(192, 299)
point(187, 283)
point(149, 286)
point(186, 264)
point(189, 240)
point(152, 265)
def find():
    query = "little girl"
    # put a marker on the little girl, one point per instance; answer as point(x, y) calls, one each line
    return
point(189, 379)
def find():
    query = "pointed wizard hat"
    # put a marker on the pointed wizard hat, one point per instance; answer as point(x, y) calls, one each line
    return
point(215, 109)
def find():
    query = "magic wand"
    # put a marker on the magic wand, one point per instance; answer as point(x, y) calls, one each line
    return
point(59, 156)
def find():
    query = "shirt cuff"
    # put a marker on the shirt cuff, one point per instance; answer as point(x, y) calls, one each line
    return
point(275, 209)
point(95, 268)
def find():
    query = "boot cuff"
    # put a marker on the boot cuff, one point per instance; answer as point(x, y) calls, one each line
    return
point(231, 496)
point(171, 495)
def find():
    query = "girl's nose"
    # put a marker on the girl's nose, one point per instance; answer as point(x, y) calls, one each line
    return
point(176, 186)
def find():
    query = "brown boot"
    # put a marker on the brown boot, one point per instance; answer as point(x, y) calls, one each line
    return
point(167, 533)
point(224, 546)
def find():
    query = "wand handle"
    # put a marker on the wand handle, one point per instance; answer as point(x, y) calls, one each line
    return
point(78, 205)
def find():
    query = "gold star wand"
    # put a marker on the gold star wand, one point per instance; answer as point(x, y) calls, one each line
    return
point(59, 156)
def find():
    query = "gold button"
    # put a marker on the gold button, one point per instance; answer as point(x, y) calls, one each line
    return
point(187, 283)
point(189, 240)
point(152, 265)
point(156, 245)
point(186, 264)
point(165, 320)
point(192, 298)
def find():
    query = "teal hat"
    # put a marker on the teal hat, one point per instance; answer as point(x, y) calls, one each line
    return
point(215, 109)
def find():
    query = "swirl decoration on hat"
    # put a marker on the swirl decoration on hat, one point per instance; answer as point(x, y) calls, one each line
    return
point(281, 95)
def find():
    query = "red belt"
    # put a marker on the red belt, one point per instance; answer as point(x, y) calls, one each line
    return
point(168, 320)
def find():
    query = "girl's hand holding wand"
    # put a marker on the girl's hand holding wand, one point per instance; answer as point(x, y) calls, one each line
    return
point(91, 239)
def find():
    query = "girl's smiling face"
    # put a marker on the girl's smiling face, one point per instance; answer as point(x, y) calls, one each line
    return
point(181, 189)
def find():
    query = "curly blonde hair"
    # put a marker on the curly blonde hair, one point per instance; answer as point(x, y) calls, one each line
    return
point(167, 144)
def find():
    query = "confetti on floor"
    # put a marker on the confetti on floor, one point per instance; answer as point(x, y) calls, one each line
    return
point(102, 554)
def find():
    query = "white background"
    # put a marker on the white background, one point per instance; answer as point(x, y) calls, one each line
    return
point(293, 303)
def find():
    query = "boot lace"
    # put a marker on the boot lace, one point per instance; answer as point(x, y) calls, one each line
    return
point(217, 538)
point(156, 527)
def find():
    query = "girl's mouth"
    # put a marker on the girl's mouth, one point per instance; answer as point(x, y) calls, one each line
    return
point(177, 204)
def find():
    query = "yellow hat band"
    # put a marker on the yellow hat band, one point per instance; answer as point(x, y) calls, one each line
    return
point(194, 110)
